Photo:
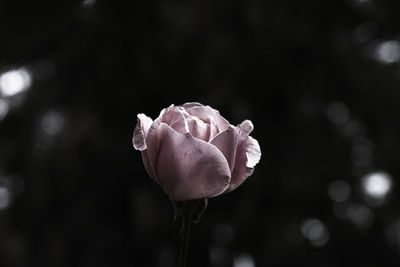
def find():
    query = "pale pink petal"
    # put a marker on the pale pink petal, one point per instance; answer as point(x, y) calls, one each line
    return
point(191, 104)
point(213, 129)
point(246, 127)
point(189, 168)
point(227, 142)
point(150, 154)
point(175, 117)
point(198, 128)
point(253, 152)
point(248, 154)
point(205, 113)
point(140, 132)
point(166, 109)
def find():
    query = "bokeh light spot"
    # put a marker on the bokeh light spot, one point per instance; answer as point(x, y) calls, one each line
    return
point(387, 52)
point(360, 215)
point(52, 123)
point(315, 231)
point(243, 260)
point(377, 185)
point(4, 107)
point(14, 82)
point(220, 256)
point(360, 2)
point(89, 2)
point(4, 198)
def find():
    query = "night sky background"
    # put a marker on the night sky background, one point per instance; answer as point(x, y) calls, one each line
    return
point(320, 80)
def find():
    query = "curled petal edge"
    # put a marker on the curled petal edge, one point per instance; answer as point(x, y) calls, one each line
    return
point(248, 154)
point(140, 132)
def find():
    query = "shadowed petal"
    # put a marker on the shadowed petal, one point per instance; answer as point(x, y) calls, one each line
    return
point(189, 168)
point(248, 154)
point(226, 142)
point(213, 129)
point(148, 166)
point(140, 132)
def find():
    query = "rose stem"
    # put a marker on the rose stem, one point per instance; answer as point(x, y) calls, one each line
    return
point(186, 224)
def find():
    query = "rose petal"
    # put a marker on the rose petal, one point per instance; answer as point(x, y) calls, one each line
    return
point(206, 112)
point(189, 168)
point(191, 104)
point(140, 132)
point(150, 154)
point(213, 129)
point(226, 142)
point(148, 166)
point(175, 117)
point(246, 127)
point(253, 152)
point(198, 128)
point(248, 154)
point(165, 109)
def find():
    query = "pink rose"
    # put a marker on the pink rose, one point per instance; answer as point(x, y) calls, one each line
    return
point(192, 152)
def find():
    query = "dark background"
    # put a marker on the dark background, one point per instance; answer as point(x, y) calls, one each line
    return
point(319, 80)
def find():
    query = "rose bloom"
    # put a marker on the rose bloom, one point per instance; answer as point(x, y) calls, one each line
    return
point(192, 152)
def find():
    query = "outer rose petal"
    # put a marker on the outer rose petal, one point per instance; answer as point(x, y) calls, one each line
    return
point(227, 142)
point(150, 154)
point(148, 166)
point(140, 132)
point(253, 152)
point(248, 154)
point(189, 168)
point(245, 128)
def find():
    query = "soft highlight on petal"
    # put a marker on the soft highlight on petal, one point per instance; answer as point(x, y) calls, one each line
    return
point(140, 133)
point(253, 152)
point(189, 168)
point(246, 127)
point(191, 104)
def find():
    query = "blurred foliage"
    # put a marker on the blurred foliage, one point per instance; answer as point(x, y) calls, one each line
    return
point(315, 77)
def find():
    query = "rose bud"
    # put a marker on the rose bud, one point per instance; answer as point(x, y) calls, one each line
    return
point(192, 152)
